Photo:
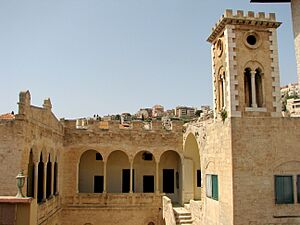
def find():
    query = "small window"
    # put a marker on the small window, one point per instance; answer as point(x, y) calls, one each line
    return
point(251, 39)
point(98, 156)
point(284, 190)
point(147, 156)
point(298, 188)
point(212, 190)
point(199, 178)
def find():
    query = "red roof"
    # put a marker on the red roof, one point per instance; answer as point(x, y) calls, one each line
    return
point(7, 116)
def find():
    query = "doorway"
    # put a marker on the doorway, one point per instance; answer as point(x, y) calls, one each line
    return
point(168, 180)
point(126, 180)
point(98, 184)
point(148, 184)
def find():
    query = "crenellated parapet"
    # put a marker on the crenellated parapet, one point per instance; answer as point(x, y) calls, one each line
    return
point(243, 18)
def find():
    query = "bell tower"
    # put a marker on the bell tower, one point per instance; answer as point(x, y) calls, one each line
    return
point(245, 65)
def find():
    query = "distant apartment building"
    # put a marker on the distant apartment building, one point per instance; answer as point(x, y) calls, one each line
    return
point(144, 113)
point(293, 107)
point(157, 111)
point(185, 112)
point(290, 90)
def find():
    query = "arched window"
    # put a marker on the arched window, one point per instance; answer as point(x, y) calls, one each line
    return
point(248, 87)
point(55, 191)
point(258, 87)
point(221, 90)
point(49, 178)
point(253, 86)
point(30, 176)
point(40, 193)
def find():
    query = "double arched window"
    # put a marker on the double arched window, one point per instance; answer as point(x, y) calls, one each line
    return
point(253, 87)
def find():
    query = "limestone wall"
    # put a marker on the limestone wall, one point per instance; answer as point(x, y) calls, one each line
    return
point(262, 148)
point(111, 216)
point(12, 140)
point(214, 141)
point(296, 27)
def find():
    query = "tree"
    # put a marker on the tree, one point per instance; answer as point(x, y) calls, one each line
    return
point(198, 112)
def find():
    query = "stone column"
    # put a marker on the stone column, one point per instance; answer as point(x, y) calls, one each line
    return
point(157, 178)
point(36, 175)
point(45, 182)
point(104, 177)
point(131, 177)
point(253, 89)
point(52, 179)
point(295, 5)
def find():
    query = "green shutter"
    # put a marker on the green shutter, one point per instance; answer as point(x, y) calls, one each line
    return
point(215, 189)
point(284, 193)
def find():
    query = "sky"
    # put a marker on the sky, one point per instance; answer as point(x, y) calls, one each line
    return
point(113, 56)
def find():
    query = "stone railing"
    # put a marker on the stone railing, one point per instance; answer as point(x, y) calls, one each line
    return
point(168, 213)
point(91, 124)
point(48, 208)
point(113, 199)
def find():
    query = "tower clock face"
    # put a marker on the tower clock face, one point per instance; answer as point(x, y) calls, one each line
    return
point(219, 47)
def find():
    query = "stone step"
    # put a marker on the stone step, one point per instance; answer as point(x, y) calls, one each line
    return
point(182, 216)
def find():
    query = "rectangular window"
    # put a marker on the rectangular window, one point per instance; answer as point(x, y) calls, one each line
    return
point(284, 193)
point(298, 188)
point(212, 189)
point(199, 178)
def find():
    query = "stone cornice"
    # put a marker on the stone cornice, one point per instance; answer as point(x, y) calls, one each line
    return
point(238, 18)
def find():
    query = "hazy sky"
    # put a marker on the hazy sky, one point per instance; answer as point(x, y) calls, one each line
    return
point(112, 56)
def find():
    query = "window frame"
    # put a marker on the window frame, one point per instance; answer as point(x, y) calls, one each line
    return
point(212, 186)
point(276, 190)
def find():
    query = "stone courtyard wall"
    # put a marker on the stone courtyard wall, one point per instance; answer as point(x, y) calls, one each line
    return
point(262, 148)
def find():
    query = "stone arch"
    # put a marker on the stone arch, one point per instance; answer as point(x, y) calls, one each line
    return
point(30, 175)
point(144, 167)
point(192, 169)
point(287, 167)
point(254, 84)
point(91, 172)
point(117, 164)
point(170, 170)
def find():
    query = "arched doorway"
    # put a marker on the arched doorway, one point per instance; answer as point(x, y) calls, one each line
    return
point(192, 169)
point(91, 176)
point(118, 172)
point(144, 172)
point(170, 175)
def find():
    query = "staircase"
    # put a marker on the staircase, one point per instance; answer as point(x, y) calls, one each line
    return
point(182, 216)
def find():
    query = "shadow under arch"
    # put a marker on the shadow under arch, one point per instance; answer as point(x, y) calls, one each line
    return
point(91, 172)
point(192, 169)
point(144, 172)
point(170, 173)
point(118, 172)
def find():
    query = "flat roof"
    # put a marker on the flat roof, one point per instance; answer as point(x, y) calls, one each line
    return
point(270, 1)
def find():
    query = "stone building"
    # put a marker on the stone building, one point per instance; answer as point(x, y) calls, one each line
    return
point(240, 167)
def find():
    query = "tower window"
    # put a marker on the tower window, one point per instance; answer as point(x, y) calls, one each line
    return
point(251, 39)
point(248, 87)
point(147, 156)
point(98, 156)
